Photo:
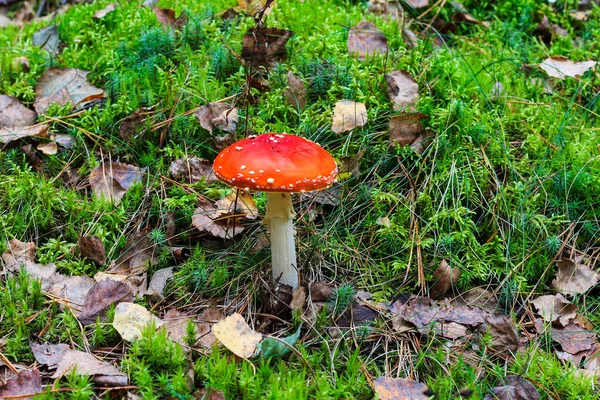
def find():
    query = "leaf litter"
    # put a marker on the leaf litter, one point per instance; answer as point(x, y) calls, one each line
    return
point(62, 86)
point(112, 179)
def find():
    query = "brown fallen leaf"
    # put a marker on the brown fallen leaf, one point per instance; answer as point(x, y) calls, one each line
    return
point(573, 338)
point(204, 324)
point(561, 67)
point(349, 164)
point(357, 315)
point(320, 291)
point(265, 47)
point(515, 388)
point(222, 116)
point(365, 40)
point(18, 121)
point(49, 354)
point(62, 86)
point(235, 334)
point(403, 91)
point(192, 170)
point(47, 38)
point(136, 282)
point(166, 17)
point(295, 94)
point(505, 338)
point(176, 324)
point(101, 296)
point(105, 11)
point(444, 277)
point(86, 364)
point(574, 277)
point(239, 203)
point(71, 292)
point(92, 248)
point(207, 218)
point(400, 389)
point(406, 128)
point(111, 180)
point(348, 115)
point(134, 125)
point(462, 15)
point(48, 148)
point(418, 3)
point(298, 299)
point(410, 38)
point(251, 7)
point(555, 308)
point(158, 283)
point(27, 382)
point(207, 394)
point(130, 319)
point(20, 254)
point(390, 9)
point(139, 253)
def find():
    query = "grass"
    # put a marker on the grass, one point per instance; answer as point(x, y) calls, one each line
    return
point(507, 183)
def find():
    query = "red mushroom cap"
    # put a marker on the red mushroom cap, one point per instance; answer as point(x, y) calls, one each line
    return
point(276, 162)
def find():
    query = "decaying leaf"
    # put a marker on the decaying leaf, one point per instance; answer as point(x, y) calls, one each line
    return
point(573, 338)
point(265, 47)
point(176, 324)
point(166, 17)
point(62, 86)
point(239, 203)
point(130, 319)
point(105, 11)
point(574, 277)
point(320, 291)
point(357, 315)
point(47, 39)
point(296, 93)
point(207, 218)
point(298, 299)
point(192, 170)
point(251, 7)
point(134, 125)
point(561, 67)
point(505, 339)
point(158, 283)
point(444, 277)
point(348, 115)
point(365, 40)
point(222, 116)
point(101, 296)
point(391, 9)
point(515, 388)
point(140, 252)
point(400, 389)
point(406, 128)
point(411, 38)
point(418, 3)
point(72, 291)
point(403, 91)
point(49, 354)
point(111, 180)
point(555, 308)
point(18, 121)
point(27, 382)
point(48, 148)
point(204, 324)
point(349, 165)
point(237, 336)
point(92, 248)
point(86, 364)
point(20, 254)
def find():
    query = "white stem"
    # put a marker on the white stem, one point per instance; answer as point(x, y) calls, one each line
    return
point(280, 221)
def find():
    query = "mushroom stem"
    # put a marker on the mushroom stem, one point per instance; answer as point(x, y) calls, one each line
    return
point(279, 220)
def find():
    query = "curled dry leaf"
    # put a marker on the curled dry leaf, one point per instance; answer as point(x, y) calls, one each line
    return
point(49, 354)
point(17, 121)
point(403, 91)
point(92, 248)
point(239, 203)
point(222, 220)
point(444, 277)
point(265, 47)
point(192, 170)
point(365, 40)
point(111, 180)
point(348, 115)
point(296, 93)
point(48, 148)
point(105, 11)
point(130, 319)
point(237, 336)
point(400, 389)
point(555, 308)
point(574, 277)
point(140, 252)
point(27, 382)
point(505, 339)
point(222, 116)
point(515, 388)
point(406, 128)
point(357, 315)
point(101, 296)
point(20, 254)
point(71, 292)
point(86, 364)
point(561, 67)
point(62, 86)
point(158, 283)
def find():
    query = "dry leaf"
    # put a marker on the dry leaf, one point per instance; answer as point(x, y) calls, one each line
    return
point(139, 253)
point(130, 319)
point(444, 277)
point(349, 164)
point(357, 315)
point(237, 336)
point(418, 3)
point(406, 128)
point(295, 94)
point(49, 148)
point(348, 115)
point(101, 296)
point(27, 382)
point(400, 389)
point(403, 91)
point(17, 121)
point(158, 283)
point(86, 364)
point(555, 308)
point(64, 86)
point(391, 9)
point(411, 38)
point(47, 39)
point(222, 116)
point(298, 299)
point(204, 324)
point(561, 67)
point(573, 277)
point(49, 354)
point(72, 292)
point(265, 47)
point(251, 7)
point(573, 338)
point(239, 203)
point(192, 170)
point(365, 40)
point(20, 254)
point(212, 394)
point(176, 324)
point(105, 11)
point(166, 17)
point(515, 388)
point(92, 248)
point(320, 291)
point(505, 339)
point(207, 218)
point(111, 180)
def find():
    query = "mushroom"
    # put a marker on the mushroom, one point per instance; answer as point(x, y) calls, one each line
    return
point(279, 164)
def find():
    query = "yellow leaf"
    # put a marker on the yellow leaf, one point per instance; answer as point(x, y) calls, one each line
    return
point(237, 336)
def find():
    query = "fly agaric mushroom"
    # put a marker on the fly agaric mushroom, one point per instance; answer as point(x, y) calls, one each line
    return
point(279, 164)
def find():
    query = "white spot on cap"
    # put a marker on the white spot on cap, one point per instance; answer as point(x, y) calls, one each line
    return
point(239, 147)
point(279, 135)
point(261, 170)
point(243, 167)
point(251, 172)
point(270, 181)
point(277, 170)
